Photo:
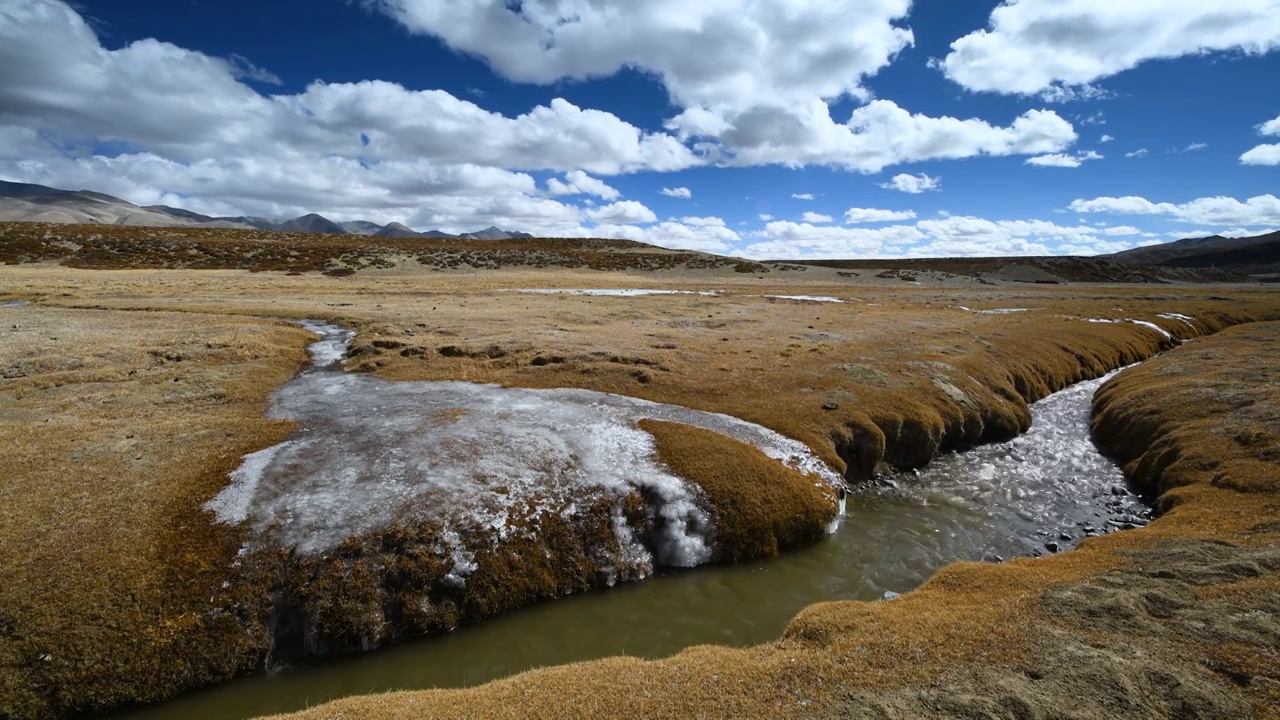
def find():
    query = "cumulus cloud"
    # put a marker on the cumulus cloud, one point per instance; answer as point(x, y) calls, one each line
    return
point(680, 192)
point(195, 135)
point(816, 218)
point(626, 212)
point(1262, 155)
point(914, 184)
point(857, 216)
point(704, 235)
point(945, 237)
point(707, 54)
point(1034, 46)
point(1267, 154)
point(876, 135)
point(577, 182)
point(754, 81)
point(1259, 210)
point(1106, 139)
point(1063, 160)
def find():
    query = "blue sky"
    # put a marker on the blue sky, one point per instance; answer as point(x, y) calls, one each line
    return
point(782, 128)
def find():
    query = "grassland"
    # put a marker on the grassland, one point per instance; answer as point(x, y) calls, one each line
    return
point(131, 393)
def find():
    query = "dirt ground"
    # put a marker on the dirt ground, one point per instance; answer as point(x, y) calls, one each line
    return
point(130, 394)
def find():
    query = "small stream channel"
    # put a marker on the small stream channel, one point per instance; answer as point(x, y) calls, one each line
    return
point(1037, 494)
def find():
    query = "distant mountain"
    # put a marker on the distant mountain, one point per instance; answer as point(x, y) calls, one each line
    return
point(1256, 255)
point(395, 229)
point(25, 202)
point(494, 233)
point(312, 223)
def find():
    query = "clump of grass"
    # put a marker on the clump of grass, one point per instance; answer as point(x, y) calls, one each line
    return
point(759, 506)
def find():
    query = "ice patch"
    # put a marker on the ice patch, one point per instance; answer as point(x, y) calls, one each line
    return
point(332, 347)
point(808, 298)
point(1184, 319)
point(613, 292)
point(12, 303)
point(1147, 324)
point(995, 311)
point(478, 459)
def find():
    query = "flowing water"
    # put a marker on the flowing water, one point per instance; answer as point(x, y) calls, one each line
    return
point(1037, 494)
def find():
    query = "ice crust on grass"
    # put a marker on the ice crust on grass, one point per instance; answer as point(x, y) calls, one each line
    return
point(614, 292)
point(479, 459)
point(808, 298)
point(995, 311)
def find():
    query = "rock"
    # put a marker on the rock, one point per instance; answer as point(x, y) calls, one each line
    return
point(1051, 546)
point(992, 558)
point(1067, 537)
point(452, 351)
point(831, 406)
point(890, 595)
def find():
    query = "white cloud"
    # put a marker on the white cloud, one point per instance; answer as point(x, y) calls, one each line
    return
point(946, 237)
point(200, 138)
point(877, 135)
point(1264, 154)
point(857, 216)
point(765, 217)
point(711, 221)
point(802, 196)
point(816, 218)
point(708, 54)
point(1033, 46)
point(626, 212)
point(1260, 210)
point(1106, 139)
point(1140, 152)
point(1066, 94)
point(1062, 160)
point(1193, 147)
point(784, 240)
point(577, 182)
point(704, 237)
point(913, 184)
point(680, 192)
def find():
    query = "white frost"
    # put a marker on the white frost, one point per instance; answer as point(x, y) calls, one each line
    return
point(995, 311)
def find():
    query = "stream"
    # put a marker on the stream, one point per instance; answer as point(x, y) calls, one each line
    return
point(1040, 493)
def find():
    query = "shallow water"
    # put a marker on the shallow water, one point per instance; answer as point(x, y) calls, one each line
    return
point(1040, 492)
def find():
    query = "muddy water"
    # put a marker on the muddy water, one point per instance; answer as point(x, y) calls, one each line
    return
point(1039, 493)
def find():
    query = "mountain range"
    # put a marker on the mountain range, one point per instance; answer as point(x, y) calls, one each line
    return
point(24, 202)
point(1258, 255)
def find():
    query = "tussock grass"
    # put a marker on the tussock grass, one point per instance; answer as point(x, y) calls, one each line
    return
point(760, 506)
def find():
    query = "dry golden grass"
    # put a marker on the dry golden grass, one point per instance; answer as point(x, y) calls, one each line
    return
point(909, 375)
point(114, 428)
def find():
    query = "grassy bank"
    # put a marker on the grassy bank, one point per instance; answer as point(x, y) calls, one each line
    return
point(118, 572)
point(1177, 619)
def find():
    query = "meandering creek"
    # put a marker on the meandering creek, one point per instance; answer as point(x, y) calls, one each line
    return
point(1040, 493)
